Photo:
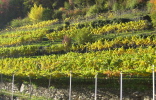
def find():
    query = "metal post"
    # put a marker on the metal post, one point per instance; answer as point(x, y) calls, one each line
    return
point(1, 78)
point(153, 83)
point(70, 86)
point(30, 87)
point(120, 85)
point(12, 87)
point(1, 83)
point(96, 86)
point(49, 87)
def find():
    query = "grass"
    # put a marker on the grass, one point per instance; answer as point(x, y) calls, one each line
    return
point(22, 96)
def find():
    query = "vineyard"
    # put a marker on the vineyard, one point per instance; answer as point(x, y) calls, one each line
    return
point(21, 52)
point(65, 49)
point(110, 62)
point(103, 49)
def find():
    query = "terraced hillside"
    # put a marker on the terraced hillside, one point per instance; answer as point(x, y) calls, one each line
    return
point(105, 47)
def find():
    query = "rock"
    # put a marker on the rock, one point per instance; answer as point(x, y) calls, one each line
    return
point(146, 98)
point(127, 98)
point(78, 93)
point(137, 95)
point(22, 88)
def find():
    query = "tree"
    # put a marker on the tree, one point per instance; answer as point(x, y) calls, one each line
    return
point(10, 9)
point(152, 5)
point(36, 13)
point(153, 12)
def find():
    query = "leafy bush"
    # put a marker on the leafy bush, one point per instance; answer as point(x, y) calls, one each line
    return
point(132, 4)
point(151, 5)
point(152, 9)
point(152, 15)
point(93, 10)
point(66, 24)
point(115, 7)
point(57, 14)
point(67, 5)
point(59, 28)
point(80, 25)
point(47, 14)
point(83, 36)
point(20, 22)
point(120, 20)
point(36, 13)
point(99, 23)
point(72, 13)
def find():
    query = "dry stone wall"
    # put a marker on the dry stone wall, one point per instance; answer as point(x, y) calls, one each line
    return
point(78, 92)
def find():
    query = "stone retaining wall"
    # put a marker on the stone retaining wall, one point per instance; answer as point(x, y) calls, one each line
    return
point(78, 92)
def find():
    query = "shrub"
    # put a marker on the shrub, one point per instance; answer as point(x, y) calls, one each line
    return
point(57, 14)
point(152, 9)
point(71, 13)
point(152, 15)
point(83, 36)
point(115, 7)
point(67, 5)
point(36, 13)
point(47, 14)
point(131, 4)
point(93, 10)
point(16, 23)
point(151, 5)
point(20, 22)
point(59, 28)
point(84, 11)
point(120, 20)
point(80, 25)
point(99, 23)
point(66, 24)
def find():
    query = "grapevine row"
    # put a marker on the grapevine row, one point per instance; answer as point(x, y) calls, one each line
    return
point(27, 37)
point(133, 41)
point(39, 24)
point(18, 51)
point(134, 61)
point(127, 42)
point(122, 27)
point(110, 28)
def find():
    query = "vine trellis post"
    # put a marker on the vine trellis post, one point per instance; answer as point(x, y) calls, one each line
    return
point(1, 81)
point(120, 85)
point(1, 78)
point(30, 87)
point(96, 86)
point(12, 98)
point(153, 82)
point(49, 86)
point(70, 88)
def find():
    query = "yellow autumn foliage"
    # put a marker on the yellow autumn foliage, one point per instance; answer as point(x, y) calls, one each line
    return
point(36, 13)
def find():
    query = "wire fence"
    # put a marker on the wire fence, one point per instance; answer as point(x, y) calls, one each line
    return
point(122, 84)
